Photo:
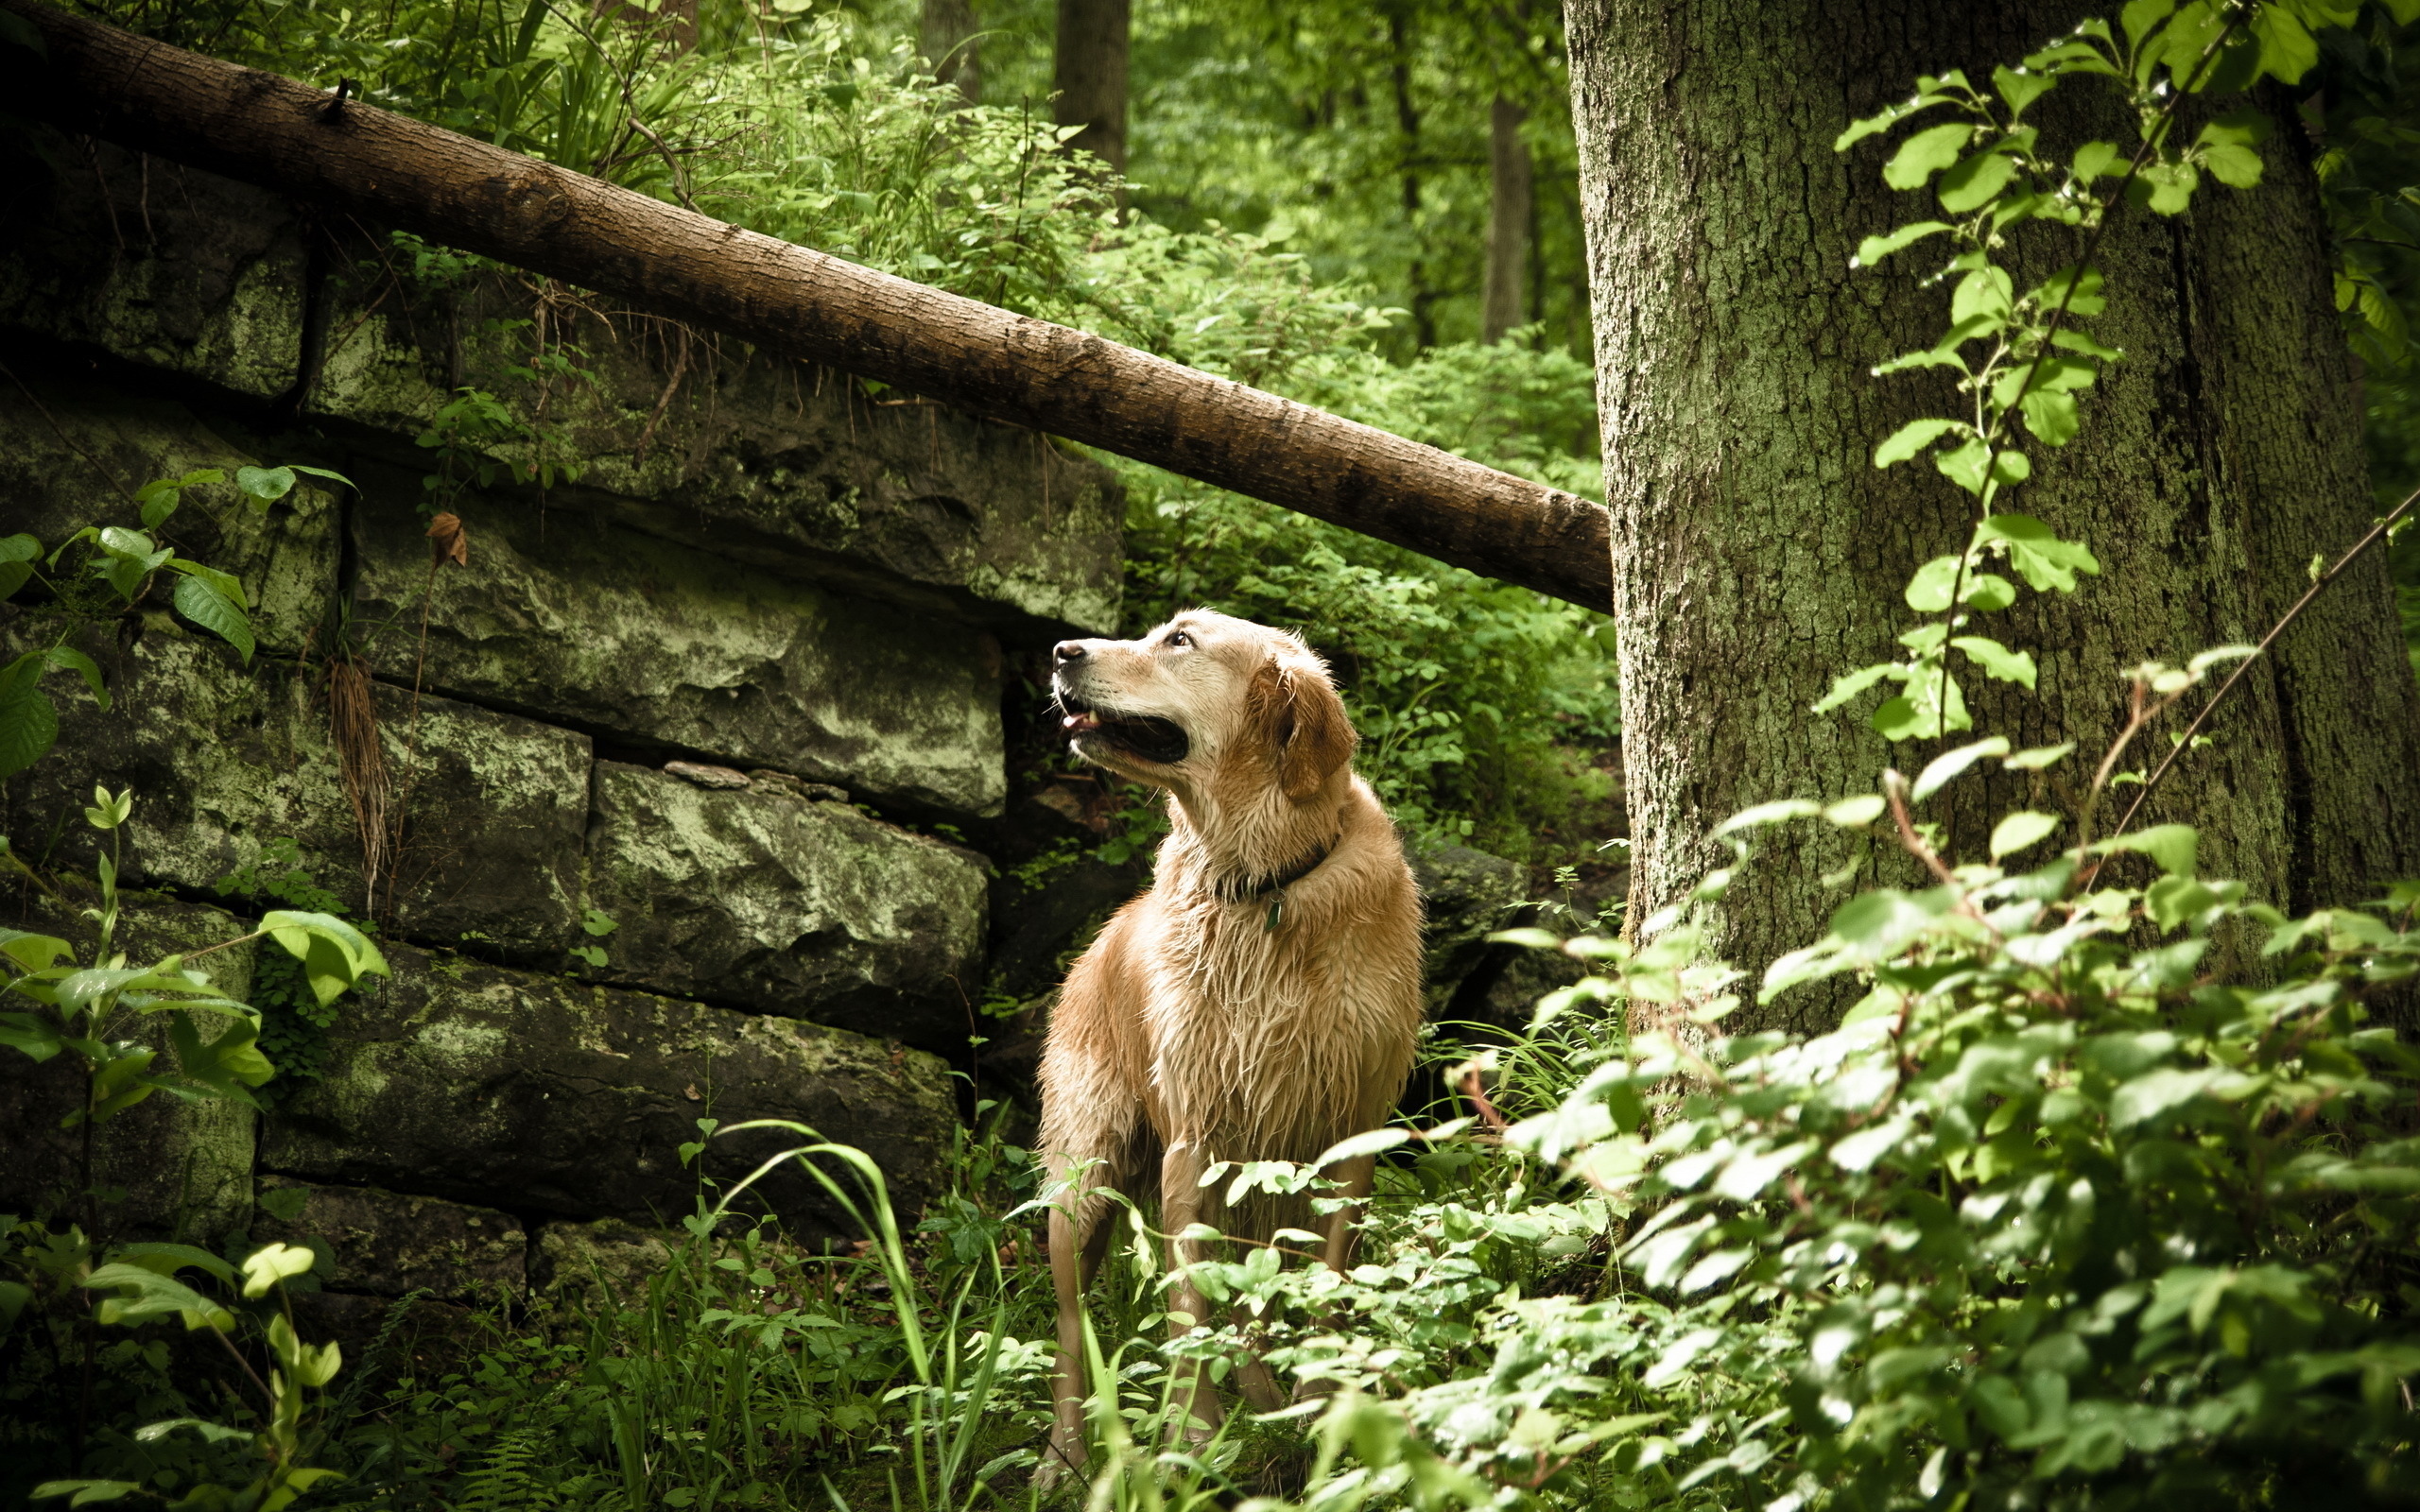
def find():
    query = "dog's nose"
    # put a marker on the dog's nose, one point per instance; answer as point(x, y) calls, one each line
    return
point(1069, 651)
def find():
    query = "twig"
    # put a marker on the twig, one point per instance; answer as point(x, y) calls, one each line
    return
point(2378, 533)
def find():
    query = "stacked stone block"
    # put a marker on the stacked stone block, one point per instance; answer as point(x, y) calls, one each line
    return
point(736, 688)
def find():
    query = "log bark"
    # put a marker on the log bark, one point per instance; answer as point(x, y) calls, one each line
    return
point(285, 136)
point(1758, 552)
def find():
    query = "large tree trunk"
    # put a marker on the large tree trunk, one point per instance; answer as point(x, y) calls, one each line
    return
point(1089, 73)
point(946, 32)
point(1757, 553)
point(347, 157)
point(1508, 220)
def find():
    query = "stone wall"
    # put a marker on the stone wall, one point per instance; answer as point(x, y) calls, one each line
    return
point(761, 685)
point(738, 687)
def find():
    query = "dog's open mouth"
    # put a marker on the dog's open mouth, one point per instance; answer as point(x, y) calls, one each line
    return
point(1161, 741)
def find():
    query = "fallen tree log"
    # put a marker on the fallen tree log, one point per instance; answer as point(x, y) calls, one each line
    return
point(282, 135)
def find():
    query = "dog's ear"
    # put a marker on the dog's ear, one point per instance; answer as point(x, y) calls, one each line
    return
point(1305, 725)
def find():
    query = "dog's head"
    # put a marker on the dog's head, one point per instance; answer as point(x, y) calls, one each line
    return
point(1204, 700)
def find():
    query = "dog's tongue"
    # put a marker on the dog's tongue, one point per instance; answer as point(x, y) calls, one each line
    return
point(1077, 724)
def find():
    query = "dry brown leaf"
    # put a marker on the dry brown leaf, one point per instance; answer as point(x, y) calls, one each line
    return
point(448, 542)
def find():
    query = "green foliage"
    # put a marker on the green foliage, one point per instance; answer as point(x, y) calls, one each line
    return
point(294, 1021)
point(56, 1005)
point(121, 567)
point(255, 1464)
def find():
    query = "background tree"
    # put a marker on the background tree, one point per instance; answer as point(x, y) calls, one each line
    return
point(948, 34)
point(1088, 77)
point(1756, 552)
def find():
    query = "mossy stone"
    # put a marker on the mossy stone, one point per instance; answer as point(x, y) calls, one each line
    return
point(766, 898)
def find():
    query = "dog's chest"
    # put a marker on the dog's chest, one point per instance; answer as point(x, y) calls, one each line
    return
point(1259, 1028)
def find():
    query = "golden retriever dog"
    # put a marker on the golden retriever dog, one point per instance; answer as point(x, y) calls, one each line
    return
point(1260, 1001)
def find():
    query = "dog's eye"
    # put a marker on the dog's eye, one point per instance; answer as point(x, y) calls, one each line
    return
point(1177, 639)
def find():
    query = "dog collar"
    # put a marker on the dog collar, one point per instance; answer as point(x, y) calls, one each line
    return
point(1250, 886)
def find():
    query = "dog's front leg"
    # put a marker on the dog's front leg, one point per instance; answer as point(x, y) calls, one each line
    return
point(1354, 1179)
point(1076, 1250)
point(1180, 1208)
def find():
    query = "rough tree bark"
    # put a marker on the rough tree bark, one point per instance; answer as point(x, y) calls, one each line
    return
point(281, 135)
point(1757, 553)
point(946, 32)
point(1508, 220)
point(1088, 71)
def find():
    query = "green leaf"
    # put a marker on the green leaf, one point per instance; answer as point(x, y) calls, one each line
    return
point(2288, 51)
point(1761, 815)
point(1856, 812)
point(1973, 183)
point(265, 1267)
point(323, 473)
point(143, 1295)
point(2227, 146)
point(28, 722)
point(1370, 1142)
point(334, 955)
point(1884, 120)
point(67, 659)
point(1963, 466)
point(265, 486)
point(1849, 684)
point(2051, 417)
point(2078, 294)
point(2167, 188)
point(2024, 827)
point(35, 952)
point(18, 555)
point(1874, 248)
point(2154, 1093)
point(2174, 847)
point(1946, 768)
point(1912, 438)
point(2039, 557)
point(197, 601)
point(1986, 294)
point(226, 585)
point(1989, 592)
point(2040, 758)
point(2092, 159)
point(2021, 86)
point(1996, 659)
point(2141, 17)
point(85, 1493)
point(1928, 590)
point(1924, 154)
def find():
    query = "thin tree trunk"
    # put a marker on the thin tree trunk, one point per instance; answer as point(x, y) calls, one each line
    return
point(1424, 320)
point(946, 32)
point(1757, 553)
point(1508, 219)
point(1089, 73)
point(385, 168)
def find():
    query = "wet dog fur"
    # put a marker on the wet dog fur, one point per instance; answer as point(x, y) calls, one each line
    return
point(1261, 1000)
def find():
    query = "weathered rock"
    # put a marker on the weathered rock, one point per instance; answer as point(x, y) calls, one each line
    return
point(168, 1168)
point(686, 437)
point(225, 760)
point(72, 453)
point(1469, 895)
point(387, 1244)
point(765, 898)
point(483, 1085)
point(660, 647)
point(595, 1262)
